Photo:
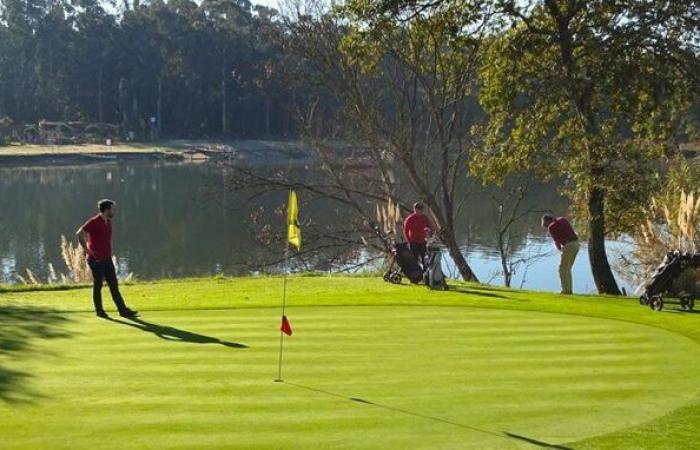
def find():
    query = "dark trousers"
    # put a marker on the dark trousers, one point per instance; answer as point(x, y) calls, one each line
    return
point(419, 251)
point(104, 270)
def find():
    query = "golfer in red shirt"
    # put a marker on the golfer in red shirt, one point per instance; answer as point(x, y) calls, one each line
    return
point(95, 236)
point(566, 241)
point(415, 229)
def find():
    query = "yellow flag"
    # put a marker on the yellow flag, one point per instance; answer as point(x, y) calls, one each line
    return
point(294, 232)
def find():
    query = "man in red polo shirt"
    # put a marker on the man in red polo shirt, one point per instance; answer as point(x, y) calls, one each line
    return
point(566, 241)
point(415, 229)
point(95, 236)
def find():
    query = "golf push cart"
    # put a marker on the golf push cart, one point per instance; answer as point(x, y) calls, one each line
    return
point(676, 277)
point(403, 263)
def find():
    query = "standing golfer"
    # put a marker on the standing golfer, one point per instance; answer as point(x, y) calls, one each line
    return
point(95, 236)
point(566, 241)
point(415, 229)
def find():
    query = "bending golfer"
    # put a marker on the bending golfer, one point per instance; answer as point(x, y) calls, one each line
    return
point(95, 236)
point(415, 229)
point(566, 241)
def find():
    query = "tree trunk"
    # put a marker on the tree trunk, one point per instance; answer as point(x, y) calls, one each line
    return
point(243, 116)
point(159, 115)
point(456, 254)
point(134, 106)
point(100, 105)
point(224, 128)
point(602, 273)
point(20, 90)
point(286, 122)
point(503, 252)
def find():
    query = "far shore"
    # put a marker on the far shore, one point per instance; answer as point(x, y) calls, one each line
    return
point(17, 155)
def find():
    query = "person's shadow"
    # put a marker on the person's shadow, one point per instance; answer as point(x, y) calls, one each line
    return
point(175, 334)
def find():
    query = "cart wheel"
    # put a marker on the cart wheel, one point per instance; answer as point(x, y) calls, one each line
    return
point(644, 299)
point(656, 303)
point(395, 278)
point(387, 276)
point(687, 302)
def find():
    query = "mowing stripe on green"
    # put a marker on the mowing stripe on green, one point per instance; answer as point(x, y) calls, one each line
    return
point(422, 377)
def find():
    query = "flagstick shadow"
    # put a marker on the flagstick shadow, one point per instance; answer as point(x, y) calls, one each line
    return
point(462, 290)
point(175, 334)
point(536, 442)
point(504, 435)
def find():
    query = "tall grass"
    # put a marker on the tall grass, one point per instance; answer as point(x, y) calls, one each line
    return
point(78, 270)
point(75, 259)
point(672, 222)
point(388, 217)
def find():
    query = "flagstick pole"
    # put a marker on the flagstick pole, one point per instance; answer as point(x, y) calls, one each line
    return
point(284, 305)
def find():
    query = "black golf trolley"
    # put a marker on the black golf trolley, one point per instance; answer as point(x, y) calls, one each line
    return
point(404, 263)
point(676, 277)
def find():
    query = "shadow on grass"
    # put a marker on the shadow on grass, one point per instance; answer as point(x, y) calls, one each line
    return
point(481, 292)
point(20, 327)
point(536, 442)
point(175, 334)
point(504, 435)
point(676, 309)
point(671, 310)
point(470, 290)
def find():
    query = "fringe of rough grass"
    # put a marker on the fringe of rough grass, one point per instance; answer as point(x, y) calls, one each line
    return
point(9, 288)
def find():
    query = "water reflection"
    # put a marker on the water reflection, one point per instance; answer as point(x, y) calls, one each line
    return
point(166, 227)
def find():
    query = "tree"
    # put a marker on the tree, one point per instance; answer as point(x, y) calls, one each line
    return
point(21, 19)
point(511, 207)
point(228, 22)
point(54, 62)
point(200, 67)
point(590, 91)
point(399, 90)
point(4, 70)
point(95, 57)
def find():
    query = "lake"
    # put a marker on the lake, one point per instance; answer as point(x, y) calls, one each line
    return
point(177, 220)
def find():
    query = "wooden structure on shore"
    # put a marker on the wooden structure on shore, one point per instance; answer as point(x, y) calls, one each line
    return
point(58, 133)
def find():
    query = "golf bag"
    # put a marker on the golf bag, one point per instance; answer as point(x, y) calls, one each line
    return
point(434, 277)
point(402, 256)
point(675, 275)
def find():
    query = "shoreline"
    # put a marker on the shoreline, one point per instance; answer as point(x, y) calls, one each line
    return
point(70, 159)
point(244, 151)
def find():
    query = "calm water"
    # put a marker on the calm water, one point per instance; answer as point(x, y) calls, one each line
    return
point(177, 221)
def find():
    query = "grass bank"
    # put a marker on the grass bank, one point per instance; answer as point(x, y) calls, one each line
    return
point(250, 150)
point(89, 149)
point(371, 365)
point(33, 155)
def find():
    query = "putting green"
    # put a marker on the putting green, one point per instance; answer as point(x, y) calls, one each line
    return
point(364, 376)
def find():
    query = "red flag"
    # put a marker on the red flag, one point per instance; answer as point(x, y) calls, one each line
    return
point(286, 327)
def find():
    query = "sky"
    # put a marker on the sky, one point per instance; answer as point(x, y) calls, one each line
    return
point(268, 3)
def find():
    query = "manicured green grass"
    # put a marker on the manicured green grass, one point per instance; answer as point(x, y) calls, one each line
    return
point(370, 365)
